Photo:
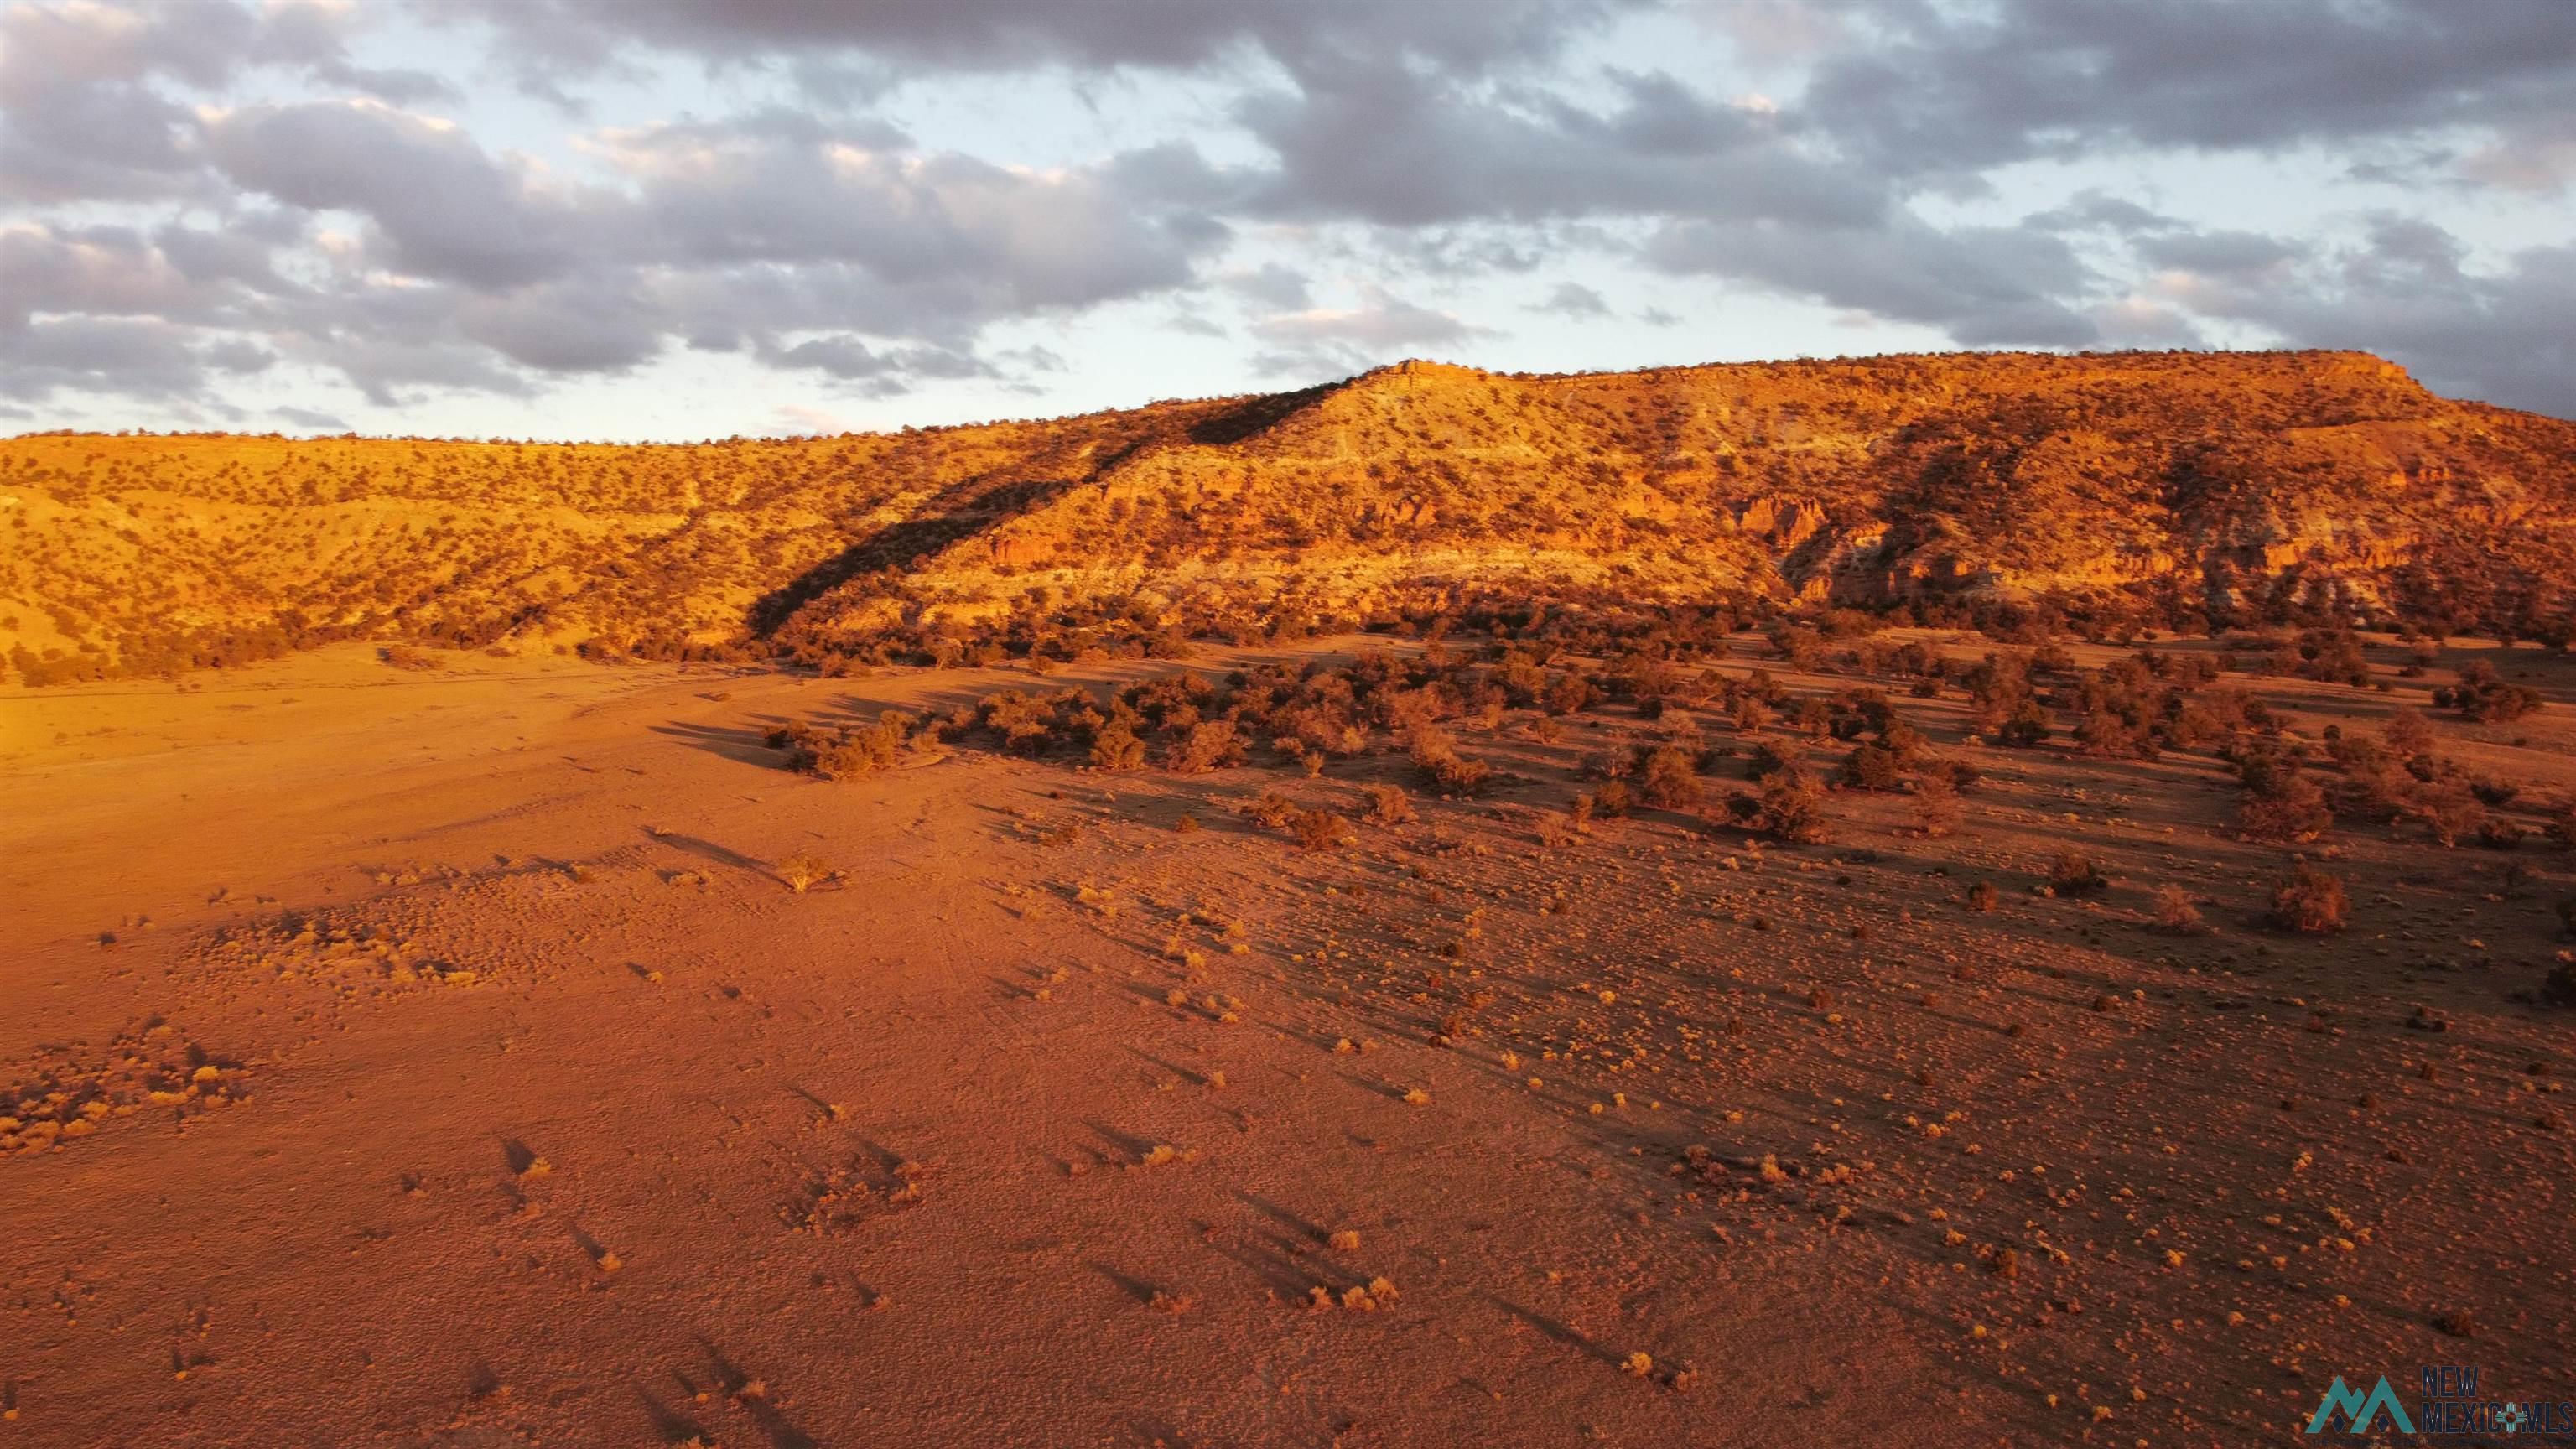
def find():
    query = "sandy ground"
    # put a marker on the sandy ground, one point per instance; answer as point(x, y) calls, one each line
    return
point(505, 1095)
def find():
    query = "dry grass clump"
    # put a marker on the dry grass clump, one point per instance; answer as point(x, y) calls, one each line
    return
point(69, 1098)
point(801, 873)
point(1359, 1298)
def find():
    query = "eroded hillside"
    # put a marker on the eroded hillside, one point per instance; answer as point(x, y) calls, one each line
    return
point(2178, 489)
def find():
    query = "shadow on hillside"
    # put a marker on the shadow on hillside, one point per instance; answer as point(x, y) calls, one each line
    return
point(960, 511)
point(955, 514)
point(1259, 415)
point(981, 502)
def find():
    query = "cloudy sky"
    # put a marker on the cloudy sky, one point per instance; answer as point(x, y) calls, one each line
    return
point(691, 218)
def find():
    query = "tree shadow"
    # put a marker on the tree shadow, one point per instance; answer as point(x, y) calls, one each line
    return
point(1133, 1286)
point(753, 1396)
point(1557, 1330)
point(1281, 1213)
point(709, 850)
point(673, 1426)
point(741, 745)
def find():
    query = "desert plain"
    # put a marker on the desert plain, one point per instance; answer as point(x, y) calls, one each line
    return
point(475, 1078)
point(1945, 913)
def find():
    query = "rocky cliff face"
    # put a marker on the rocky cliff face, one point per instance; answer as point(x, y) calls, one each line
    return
point(2211, 481)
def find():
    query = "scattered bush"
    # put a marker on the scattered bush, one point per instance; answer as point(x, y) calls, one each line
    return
point(2558, 988)
point(1207, 745)
point(2484, 697)
point(1767, 759)
point(1670, 779)
point(2446, 810)
point(2074, 874)
point(2026, 728)
point(1870, 767)
point(2174, 912)
point(1116, 747)
point(1319, 830)
point(2498, 793)
point(2407, 734)
point(1936, 805)
point(1568, 692)
point(1390, 806)
point(2309, 902)
point(2281, 803)
point(1435, 753)
point(1789, 808)
point(2494, 832)
point(845, 751)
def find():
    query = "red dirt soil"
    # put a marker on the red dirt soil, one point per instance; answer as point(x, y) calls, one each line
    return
point(488, 1086)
